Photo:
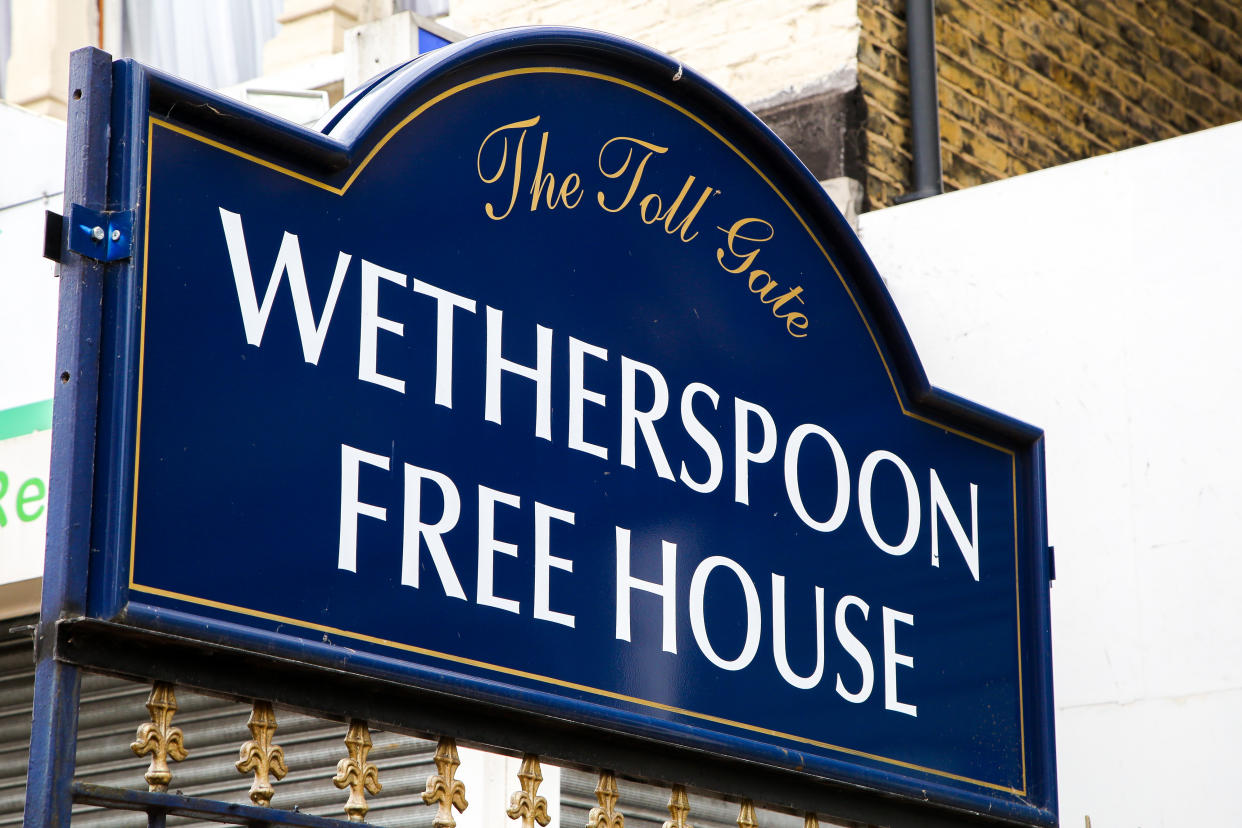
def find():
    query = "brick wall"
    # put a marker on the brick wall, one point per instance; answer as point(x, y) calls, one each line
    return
point(1028, 84)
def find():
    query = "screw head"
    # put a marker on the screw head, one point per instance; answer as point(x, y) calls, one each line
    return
point(116, 235)
point(97, 233)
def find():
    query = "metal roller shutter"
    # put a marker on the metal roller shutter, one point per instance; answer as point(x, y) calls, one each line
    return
point(112, 710)
point(16, 697)
point(214, 730)
point(646, 806)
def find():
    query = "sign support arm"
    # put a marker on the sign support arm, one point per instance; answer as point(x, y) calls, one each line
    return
point(49, 796)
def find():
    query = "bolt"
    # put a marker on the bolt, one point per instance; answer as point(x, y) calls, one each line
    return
point(116, 235)
point(97, 234)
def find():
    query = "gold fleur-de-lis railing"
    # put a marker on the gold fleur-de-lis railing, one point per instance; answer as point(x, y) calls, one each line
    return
point(746, 815)
point(605, 815)
point(442, 789)
point(678, 808)
point(159, 738)
point(526, 804)
point(261, 756)
point(356, 773)
point(264, 758)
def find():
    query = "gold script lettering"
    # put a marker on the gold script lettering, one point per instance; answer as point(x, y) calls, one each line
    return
point(569, 186)
point(503, 131)
point(735, 233)
point(759, 281)
point(681, 227)
point(620, 171)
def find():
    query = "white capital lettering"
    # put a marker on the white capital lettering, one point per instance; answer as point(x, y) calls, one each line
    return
point(666, 589)
point(579, 395)
point(742, 455)
point(541, 374)
point(704, 438)
point(892, 658)
point(698, 623)
point(545, 561)
point(416, 531)
point(351, 507)
point(793, 486)
point(631, 417)
point(372, 323)
point(856, 649)
point(446, 301)
point(778, 636)
point(288, 260)
point(940, 504)
point(914, 515)
point(488, 546)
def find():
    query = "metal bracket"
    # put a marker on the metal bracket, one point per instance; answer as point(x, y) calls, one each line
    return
point(53, 236)
point(105, 236)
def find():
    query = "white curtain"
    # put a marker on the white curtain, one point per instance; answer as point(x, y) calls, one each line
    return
point(427, 8)
point(215, 43)
point(5, 42)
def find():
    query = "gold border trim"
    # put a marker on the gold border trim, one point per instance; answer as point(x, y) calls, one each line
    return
point(556, 70)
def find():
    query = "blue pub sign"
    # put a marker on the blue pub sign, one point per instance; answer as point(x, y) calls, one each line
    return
point(544, 375)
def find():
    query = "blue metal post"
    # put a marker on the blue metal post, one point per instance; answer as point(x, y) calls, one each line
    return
point(53, 738)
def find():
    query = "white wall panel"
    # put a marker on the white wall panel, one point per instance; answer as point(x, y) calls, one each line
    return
point(1102, 301)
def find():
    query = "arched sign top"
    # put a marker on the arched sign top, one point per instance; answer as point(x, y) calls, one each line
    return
point(389, 103)
point(549, 377)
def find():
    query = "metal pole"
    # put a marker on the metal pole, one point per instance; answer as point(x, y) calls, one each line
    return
point(924, 105)
point(53, 738)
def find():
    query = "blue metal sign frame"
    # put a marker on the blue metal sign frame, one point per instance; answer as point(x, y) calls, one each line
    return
point(119, 608)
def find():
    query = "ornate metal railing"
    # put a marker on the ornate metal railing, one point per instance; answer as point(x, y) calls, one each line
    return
point(262, 757)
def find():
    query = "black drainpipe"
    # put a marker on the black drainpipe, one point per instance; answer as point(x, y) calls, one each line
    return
point(924, 107)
